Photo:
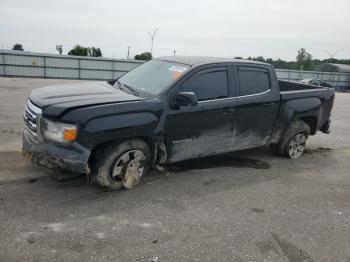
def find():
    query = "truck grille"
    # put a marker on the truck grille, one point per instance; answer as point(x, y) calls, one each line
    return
point(31, 118)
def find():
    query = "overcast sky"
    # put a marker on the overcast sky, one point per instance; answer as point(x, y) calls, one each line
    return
point(228, 28)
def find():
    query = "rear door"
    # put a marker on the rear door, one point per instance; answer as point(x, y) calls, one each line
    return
point(207, 128)
point(257, 105)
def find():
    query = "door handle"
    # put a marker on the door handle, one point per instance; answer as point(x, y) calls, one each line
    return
point(225, 111)
point(268, 104)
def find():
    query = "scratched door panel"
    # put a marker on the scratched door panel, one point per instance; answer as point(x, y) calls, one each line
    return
point(203, 130)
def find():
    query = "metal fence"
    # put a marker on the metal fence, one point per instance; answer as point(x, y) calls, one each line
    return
point(27, 64)
point(341, 81)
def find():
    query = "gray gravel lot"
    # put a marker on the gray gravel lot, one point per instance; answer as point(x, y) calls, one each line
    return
point(245, 206)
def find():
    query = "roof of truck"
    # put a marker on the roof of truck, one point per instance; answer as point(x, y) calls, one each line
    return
point(201, 60)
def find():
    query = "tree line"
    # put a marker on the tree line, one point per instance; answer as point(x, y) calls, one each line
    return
point(79, 50)
point(304, 60)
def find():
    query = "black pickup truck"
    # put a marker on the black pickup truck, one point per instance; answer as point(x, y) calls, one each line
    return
point(167, 110)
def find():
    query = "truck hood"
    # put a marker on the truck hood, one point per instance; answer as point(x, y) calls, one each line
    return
point(56, 99)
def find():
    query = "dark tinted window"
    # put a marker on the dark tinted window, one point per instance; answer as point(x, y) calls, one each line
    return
point(211, 85)
point(253, 81)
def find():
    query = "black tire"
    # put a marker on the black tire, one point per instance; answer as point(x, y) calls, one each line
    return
point(297, 128)
point(105, 163)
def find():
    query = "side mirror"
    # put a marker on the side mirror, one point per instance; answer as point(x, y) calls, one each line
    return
point(185, 99)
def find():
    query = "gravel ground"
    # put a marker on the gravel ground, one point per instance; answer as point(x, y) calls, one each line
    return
point(245, 206)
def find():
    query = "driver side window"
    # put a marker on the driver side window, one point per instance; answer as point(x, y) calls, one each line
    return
point(208, 85)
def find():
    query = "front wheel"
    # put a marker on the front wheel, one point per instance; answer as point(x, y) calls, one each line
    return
point(122, 164)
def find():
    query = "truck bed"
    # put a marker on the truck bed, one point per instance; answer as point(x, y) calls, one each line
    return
point(293, 86)
point(292, 90)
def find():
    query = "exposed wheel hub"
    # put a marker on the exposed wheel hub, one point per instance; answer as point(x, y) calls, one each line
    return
point(296, 146)
point(129, 168)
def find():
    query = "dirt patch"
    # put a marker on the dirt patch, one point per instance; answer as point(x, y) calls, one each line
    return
point(218, 161)
point(208, 182)
point(283, 248)
point(11, 131)
point(292, 252)
point(13, 161)
point(318, 150)
point(257, 210)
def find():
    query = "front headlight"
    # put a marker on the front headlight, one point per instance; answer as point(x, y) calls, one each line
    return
point(58, 132)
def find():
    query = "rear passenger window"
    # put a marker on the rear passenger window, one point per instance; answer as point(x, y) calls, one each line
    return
point(207, 86)
point(252, 81)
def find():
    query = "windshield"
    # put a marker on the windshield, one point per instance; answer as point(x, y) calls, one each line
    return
point(153, 77)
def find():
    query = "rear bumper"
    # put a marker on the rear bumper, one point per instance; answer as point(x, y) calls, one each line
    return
point(51, 156)
point(327, 127)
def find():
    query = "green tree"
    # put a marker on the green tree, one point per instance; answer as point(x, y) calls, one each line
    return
point(260, 59)
point(144, 56)
point(95, 52)
point(304, 60)
point(79, 50)
point(17, 47)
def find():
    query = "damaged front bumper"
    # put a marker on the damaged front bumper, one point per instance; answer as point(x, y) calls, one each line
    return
point(52, 157)
point(327, 127)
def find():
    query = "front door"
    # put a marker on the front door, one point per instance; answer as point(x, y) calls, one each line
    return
point(207, 128)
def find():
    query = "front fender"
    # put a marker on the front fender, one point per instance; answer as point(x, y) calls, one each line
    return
point(107, 128)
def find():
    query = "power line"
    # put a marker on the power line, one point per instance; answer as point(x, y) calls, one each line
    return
point(331, 55)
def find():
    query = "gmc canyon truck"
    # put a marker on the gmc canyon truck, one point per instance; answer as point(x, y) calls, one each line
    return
point(168, 110)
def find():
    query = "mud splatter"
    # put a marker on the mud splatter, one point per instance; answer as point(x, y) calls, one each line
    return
point(218, 161)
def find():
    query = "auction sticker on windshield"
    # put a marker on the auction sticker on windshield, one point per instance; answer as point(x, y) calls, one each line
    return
point(179, 69)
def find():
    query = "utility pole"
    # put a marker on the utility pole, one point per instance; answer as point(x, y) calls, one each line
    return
point(152, 38)
point(127, 57)
point(331, 55)
point(174, 52)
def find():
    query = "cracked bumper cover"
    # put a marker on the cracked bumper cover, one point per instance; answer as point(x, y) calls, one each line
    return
point(51, 156)
point(327, 127)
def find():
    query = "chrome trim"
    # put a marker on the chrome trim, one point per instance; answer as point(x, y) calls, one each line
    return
point(31, 117)
point(219, 99)
point(28, 114)
point(232, 97)
point(258, 94)
point(33, 108)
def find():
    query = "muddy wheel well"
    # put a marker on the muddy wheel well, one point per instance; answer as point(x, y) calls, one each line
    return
point(94, 151)
point(311, 122)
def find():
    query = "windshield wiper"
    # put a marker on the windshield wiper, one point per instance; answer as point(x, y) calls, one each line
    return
point(132, 90)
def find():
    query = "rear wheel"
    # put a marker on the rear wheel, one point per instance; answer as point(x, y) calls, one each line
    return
point(292, 143)
point(121, 164)
point(296, 146)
